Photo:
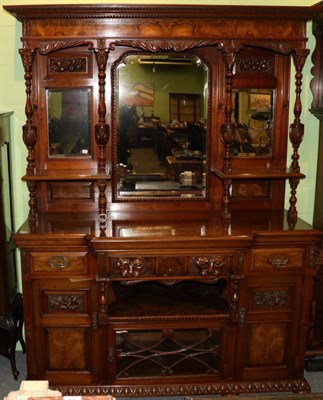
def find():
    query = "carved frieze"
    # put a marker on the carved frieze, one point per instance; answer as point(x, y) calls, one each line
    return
point(223, 388)
point(67, 64)
point(264, 65)
point(167, 266)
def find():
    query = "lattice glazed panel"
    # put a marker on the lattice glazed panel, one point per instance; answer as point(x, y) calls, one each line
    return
point(167, 352)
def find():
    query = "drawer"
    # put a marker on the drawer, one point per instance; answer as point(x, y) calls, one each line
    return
point(276, 259)
point(210, 265)
point(59, 262)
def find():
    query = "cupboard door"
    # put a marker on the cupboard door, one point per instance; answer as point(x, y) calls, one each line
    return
point(65, 331)
point(269, 334)
point(162, 352)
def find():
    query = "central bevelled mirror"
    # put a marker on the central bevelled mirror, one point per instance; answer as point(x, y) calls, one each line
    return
point(161, 126)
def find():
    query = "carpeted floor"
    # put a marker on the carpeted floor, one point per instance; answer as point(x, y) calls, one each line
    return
point(7, 381)
point(8, 384)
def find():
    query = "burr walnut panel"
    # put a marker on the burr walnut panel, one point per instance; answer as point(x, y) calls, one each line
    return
point(267, 343)
point(67, 349)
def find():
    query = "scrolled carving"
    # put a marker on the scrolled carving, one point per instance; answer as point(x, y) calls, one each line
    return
point(130, 267)
point(276, 298)
point(164, 45)
point(67, 64)
point(49, 47)
point(264, 65)
point(313, 254)
point(70, 302)
point(209, 265)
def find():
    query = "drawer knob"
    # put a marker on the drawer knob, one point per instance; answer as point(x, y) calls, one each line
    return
point(278, 261)
point(58, 262)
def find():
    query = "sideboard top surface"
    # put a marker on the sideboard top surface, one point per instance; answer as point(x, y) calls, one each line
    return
point(158, 228)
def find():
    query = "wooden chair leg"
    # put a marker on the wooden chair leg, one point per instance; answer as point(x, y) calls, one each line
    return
point(9, 340)
point(12, 358)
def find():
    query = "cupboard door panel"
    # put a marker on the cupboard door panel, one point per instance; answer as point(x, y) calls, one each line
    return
point(162, 352)
point(268, 339)
point(66, 336)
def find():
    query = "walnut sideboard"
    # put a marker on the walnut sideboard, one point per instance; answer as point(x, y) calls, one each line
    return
point(138, 283)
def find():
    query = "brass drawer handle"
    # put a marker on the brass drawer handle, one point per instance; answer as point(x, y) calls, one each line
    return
point(58, 262)
point(278, 261)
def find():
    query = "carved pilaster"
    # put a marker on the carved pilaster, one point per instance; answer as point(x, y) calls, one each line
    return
point(227, 129)
point(297, 128)
point(296, 132)
point(102, 130)
point(29, 129)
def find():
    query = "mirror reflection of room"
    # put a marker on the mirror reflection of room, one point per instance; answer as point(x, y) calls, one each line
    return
point(252, 114)
point(161, 126)
point(69, 125)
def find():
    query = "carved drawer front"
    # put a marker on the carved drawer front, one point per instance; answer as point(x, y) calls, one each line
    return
point(170, 265)
point(276, 259)
point(61, 262)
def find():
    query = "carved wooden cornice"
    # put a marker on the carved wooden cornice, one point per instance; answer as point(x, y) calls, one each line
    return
point(27, 12)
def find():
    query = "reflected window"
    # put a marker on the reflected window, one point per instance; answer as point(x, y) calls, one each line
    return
point(253, 119)
point(161, 132)
point(185, 107)
point(69, 125)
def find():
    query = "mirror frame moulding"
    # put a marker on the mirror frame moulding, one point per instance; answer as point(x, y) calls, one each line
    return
point(193, 52)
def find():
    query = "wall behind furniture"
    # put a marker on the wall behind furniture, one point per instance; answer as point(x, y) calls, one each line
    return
point(12, 98)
